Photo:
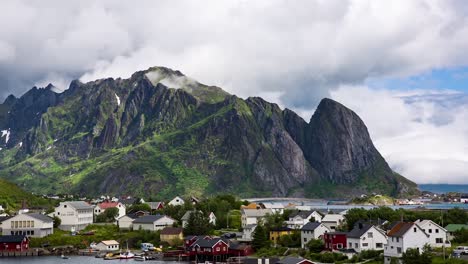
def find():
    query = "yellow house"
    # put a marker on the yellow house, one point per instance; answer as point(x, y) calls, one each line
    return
point(171, 235)
point(276, 233)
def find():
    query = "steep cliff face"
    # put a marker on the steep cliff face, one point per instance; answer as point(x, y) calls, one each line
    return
point(160, 132)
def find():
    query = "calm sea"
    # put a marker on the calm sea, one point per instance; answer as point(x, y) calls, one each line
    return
point(444, 188)
point(73, 260)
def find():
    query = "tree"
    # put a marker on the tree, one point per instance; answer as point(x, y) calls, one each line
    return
point(461, 236)
point(273, 221)
point(412, 256)
point(111, 213)
point(260, 238)
point(198, 224)
point(138, 207)
point(315, 245)
point(291, 241)
point(57, 221)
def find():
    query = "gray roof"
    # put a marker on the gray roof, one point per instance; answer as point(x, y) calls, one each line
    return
point(303, 214)
point(12, 239)
point(290, 260)
point(310, 226)
point(80, 205)
point(359, 230)
point(148, 219)
point(256, 212)
point(209, 243)
point(186, 216)
point(41, 217)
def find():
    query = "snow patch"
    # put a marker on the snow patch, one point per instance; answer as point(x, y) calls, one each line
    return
point(118, 99)
point(7, 134)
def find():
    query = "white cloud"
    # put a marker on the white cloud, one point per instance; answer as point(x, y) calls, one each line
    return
point(301, 49)
point(422, 138)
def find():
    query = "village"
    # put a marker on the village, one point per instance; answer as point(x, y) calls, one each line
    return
point(224, 229)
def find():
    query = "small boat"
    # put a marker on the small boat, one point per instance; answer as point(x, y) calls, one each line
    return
point(140, 258)
point(64, 257)
point(127, 255)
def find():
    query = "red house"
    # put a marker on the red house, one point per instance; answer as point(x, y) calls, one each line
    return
point(334, 240)
point(190, 240)
point(212, 247)
point(240, 249)
point(14, 243)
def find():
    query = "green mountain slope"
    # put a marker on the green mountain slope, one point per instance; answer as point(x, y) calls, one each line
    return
point(160, 133)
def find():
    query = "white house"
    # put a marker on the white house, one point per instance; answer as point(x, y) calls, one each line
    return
point(247, 232)
point(332, 221)
point(101, 208)
point(437, 234)
point(152, 222)
point(402, 236)
point(275, 207)
point(212, 218)
point(31, 225)
point(75, 215)
point(366, 237)
point(252, 216)
point(177, 201)
point(108, 245)
point(312, 230)
point(299, 219)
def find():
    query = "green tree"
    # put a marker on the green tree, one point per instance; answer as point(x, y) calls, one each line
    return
point(198, 224)
point(273, 221)
point(412, 256)
point(291, 241)
point(315, 245)
point(461, 236)
point(57, 221)
point(138, 207)
point(111, 213)
point(260, 238)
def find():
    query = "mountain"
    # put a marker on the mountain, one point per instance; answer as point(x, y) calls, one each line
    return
point(12, 197)
point(161, 133)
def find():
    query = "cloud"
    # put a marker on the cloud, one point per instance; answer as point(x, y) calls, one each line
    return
point(422, 134)
point(301, 49)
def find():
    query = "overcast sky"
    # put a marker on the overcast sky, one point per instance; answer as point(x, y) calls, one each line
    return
point(401, 65)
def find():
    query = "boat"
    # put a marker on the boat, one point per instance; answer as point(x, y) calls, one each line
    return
point(64, 257)
point(127, 255)
point(139, 258)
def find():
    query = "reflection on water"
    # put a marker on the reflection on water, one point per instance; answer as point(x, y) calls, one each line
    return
point(74, 260)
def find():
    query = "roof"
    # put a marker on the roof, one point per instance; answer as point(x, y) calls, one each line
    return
point(292, 260)
point(359, 230)
point(171, 231)
point(154, 205)
point(249, 206)
point(310, 226)
point(455, 227)
point(337, 233)
point(148, 219)
point(256, 212)
point(400, 229)
point(41, 217)
point(272, 205)
point(186, 216)
point(109, 242)
point(209, 243)
point(79, 205)
point(12, 239)
point(106, 205)
point(129, 201)
point(303, 214)
point(3, 218)
point(332, 218)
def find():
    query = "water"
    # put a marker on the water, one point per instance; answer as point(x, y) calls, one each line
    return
point(74, 260)
point(444, 188)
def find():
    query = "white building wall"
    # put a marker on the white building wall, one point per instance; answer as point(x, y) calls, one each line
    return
point(27, 225)
point(125, 222)
point(307, 235)
point(437, 234)
point(73, 219)
point(413, 238)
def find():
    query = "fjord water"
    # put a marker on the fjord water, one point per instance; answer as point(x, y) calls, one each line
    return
point(444, 188)
point(71, 260)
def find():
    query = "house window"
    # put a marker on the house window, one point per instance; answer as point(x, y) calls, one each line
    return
point(414, 229)
point(339, 246)
point(365, 244)
point(356, 245)
point(439, 240)
point(398, 249)
point(378, 245)
point(305, 239)
point(217, 249)
point(397, 239)
point(430, 231)
point(350, 245)
point(65, 206)
point(370, 235)
point(437, 230)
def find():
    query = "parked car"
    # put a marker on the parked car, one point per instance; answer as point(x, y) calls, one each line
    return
point(462, 250)
point(147, 247)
